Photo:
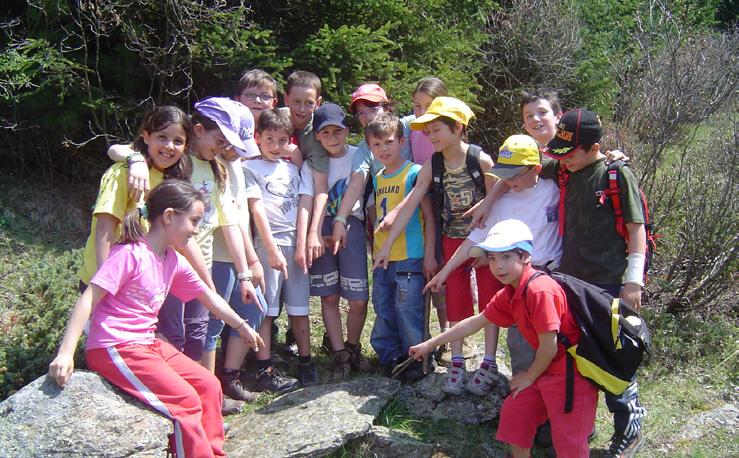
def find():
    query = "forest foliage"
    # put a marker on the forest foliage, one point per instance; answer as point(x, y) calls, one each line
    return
point(77, 76)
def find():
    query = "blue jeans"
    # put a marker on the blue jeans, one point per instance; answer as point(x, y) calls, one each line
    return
point(224, 279)
point(397, 296)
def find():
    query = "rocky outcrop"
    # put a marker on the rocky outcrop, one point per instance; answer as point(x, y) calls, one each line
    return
point(382, 442)
point(86, 418)
point(426, 399)
point(313, 421)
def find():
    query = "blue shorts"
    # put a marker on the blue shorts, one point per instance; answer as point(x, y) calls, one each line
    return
point(227, 286)
point(346, 272)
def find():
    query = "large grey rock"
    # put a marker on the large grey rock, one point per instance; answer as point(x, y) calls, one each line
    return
point(313, 421)
point(87, 418)
point(724, 417)
point(426, 399)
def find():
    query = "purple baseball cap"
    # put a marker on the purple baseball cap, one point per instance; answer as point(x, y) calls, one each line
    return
point(235, 121)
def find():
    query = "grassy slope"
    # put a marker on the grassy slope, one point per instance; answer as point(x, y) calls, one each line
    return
point(694, 367)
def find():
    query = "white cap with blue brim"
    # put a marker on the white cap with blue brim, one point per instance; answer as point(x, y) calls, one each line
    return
point(506, 235)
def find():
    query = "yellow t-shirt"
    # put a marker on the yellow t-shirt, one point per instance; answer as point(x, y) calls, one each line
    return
point(219, 211)
point(113, 199)
point(237, 195)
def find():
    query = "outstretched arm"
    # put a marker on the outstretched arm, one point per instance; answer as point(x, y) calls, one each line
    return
point(464, 328)
point(216, 305)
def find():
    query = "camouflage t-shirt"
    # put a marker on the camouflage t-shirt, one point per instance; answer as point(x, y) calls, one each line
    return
point(592, 250)
point(460, 194)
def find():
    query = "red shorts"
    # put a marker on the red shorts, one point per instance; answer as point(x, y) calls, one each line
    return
point(545, 399)
point(458, 284)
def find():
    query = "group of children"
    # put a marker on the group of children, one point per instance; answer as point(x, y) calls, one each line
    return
point(265, 207)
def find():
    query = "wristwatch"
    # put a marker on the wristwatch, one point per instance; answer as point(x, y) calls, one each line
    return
point(246, 275)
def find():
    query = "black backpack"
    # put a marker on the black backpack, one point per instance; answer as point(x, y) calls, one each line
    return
point(613, 336)
point(472, 163)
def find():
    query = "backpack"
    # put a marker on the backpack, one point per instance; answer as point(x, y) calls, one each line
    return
point(613, 337)
point(472, 163)
point(613, 192)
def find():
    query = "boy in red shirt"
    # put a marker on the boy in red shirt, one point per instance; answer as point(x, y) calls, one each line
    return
point(539, 308)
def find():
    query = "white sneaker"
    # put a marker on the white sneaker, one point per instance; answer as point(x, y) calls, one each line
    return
point(482, 381)
point(454, 381)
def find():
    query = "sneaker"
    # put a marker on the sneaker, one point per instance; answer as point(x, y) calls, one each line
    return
point(624, 447)
point(273, 381)
point(454, 381)
point(358, 362)
point(232, 387)
point(444, 355)
point(231, 407)
point(342, 365)
point(308, 374)
point(483, 380)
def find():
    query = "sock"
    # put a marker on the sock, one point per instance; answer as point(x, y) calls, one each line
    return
point(230, 372)
point(488, 361)
point(304, 359)
point(263, 364)
point(457, 360)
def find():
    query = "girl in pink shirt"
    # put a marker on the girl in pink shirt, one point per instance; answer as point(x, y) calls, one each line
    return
point(124, 298)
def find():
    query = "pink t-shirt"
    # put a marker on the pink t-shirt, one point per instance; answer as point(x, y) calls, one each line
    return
point(421, 147)
point(137, 282)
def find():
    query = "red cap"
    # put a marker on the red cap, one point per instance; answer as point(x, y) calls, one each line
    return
point(370, 92)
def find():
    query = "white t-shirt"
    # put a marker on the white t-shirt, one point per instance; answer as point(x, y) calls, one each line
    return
point(538, 208)
point(339, 172)
point(279, 185)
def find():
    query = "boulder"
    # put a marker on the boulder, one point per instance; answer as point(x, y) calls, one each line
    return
point(313, 421)
point(724, 417)
point(87, 418)
point(426, 399)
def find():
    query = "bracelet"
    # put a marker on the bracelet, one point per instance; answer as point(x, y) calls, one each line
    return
point(247, 275)
point(340, 219)
point(240, 326)
point(134, 158)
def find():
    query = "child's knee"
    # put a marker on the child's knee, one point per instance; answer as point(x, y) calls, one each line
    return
point(331, 301)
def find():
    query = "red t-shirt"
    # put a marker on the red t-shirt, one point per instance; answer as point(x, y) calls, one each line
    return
point(544, 309)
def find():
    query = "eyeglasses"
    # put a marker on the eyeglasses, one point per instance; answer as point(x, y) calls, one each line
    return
point(263, 97)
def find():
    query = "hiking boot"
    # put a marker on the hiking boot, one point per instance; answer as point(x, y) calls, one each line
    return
point(291, 346)
point(308, 374)
point(358, 362)
point(454, 381)
point(414, 372)
point(483, 379)
point(469, 348)
point(342, 365)
point(232, 387)
point(273, 381)
point(624, 447)
point(231, 407)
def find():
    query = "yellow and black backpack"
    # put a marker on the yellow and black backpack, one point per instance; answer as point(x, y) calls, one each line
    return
point(613, 336)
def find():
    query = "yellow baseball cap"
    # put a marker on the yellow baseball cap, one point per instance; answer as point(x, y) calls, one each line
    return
point(517, 153)
point(444, 106)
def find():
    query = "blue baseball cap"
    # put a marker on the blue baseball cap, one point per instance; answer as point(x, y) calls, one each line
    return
point(328, 114)
point(506, 235)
